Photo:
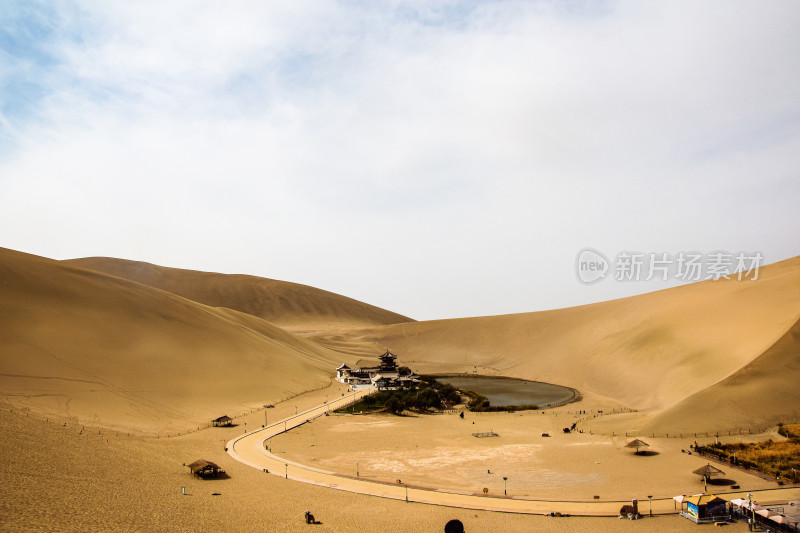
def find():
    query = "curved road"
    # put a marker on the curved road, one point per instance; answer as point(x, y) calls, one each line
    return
point(249, 449)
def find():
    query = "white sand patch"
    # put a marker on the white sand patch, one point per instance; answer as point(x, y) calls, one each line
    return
point(361, 426)
point(388, 465)
point(448, 457)
point(551, 478)
point(464, 467)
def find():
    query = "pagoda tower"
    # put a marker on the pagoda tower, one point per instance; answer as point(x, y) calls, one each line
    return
point(388, 362)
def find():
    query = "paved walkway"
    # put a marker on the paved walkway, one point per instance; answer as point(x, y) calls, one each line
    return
point(249, 449)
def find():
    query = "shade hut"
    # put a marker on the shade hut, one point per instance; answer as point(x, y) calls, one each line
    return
point(205, 469)
point(637, 444)
point(707, 472)
point(224, 420)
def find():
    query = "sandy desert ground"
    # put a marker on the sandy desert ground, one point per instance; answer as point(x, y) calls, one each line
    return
point(110, 369)
point(57, 478)
point(440, 452)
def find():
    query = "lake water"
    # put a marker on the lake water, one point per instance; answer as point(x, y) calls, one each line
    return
point(503, 391)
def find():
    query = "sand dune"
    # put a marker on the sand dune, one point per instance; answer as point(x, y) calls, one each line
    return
point(289, 305)
point(649, 352)
point(77, 334)
point(116, 353)
point(764, 392)
point(120, 344)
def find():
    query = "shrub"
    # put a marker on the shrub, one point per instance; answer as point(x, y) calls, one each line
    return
point(790, 431)
point(767, 457)
point(394, 405)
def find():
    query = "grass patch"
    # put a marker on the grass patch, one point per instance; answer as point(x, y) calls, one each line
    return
point(779, 459)
point(790, 431)
point(430, 396)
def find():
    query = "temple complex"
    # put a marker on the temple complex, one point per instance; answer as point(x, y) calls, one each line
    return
point(385, 376)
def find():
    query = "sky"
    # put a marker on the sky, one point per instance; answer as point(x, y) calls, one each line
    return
point(439, 159)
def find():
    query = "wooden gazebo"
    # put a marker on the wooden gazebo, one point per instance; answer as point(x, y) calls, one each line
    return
point(205, 469)
point(224, 420)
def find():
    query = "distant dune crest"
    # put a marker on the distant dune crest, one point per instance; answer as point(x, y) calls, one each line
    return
point(289, 305)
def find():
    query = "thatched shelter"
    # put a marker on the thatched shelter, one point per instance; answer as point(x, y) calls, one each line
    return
point(707, 472)
point(205, 469)
point(224, 420)
point(637, 444)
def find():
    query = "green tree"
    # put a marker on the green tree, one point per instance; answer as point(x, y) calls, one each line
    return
point(394, 405)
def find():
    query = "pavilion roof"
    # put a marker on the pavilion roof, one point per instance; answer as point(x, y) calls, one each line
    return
point(703, 499)
point(709, 471)
point(200, 464)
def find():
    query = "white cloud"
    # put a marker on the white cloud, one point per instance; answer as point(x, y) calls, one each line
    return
point(438, 161)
